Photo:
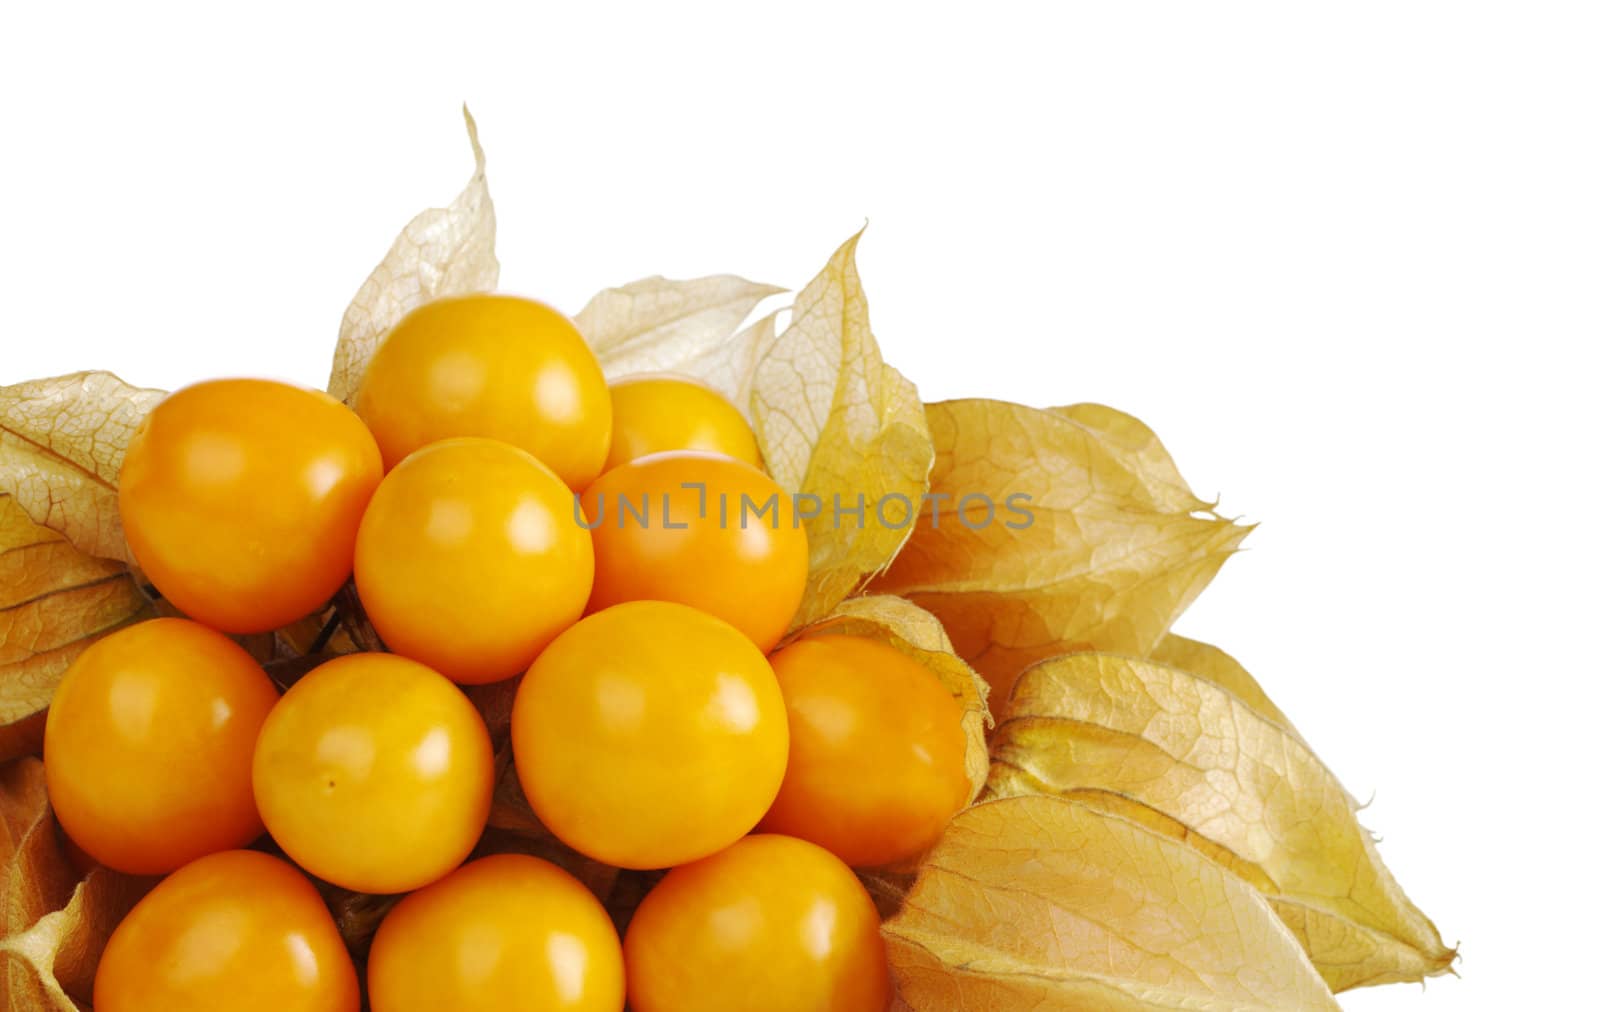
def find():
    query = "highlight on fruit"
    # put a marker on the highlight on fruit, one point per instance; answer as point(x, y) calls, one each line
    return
point(672, 654)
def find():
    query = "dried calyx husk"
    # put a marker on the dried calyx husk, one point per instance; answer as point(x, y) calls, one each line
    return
point(1177, 752)
point(1038, 903)
point(1112, 548)
point(55, 600)
point(1149, 830)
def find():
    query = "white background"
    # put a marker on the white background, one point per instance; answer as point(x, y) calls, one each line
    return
point(1343, 258)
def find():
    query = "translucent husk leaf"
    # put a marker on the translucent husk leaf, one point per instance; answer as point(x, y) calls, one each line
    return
point(38, 878)
point(1042, 904)
point(1115, 550)
point(52, 926)
point(1138, 449)
point(1116, 733)
point(62, 441)
point(54, 602)
point(443, 251)
point(835, 422)
point(687, 327)
point(914, 632)
point(1218, 667)
point(51, 965)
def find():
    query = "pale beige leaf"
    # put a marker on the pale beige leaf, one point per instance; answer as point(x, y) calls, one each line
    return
point(37, 876)
point(51, 965)
point(1042, 904)
point(1091, 727)
point(836, 423)
point(37, 880)
point(1008, 781)
point(1052, 537)
point(686, 327)
point(1136, 445)
point(62, 441)
point(443, 251)
point(733, 372)
point(914, 632)
point(1216, 665)
point(29, 958)
point(54, 602)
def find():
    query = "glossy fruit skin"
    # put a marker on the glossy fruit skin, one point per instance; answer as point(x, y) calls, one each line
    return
point(662, 413)
point(497, 366)
point(749, 574)
point(877, 753)
point(649, 734)
point(240, 500)
point(771, 923)
point(238, 930)
point(374, 773)
point(148, 746)
point(502, 932)
point(471, 558)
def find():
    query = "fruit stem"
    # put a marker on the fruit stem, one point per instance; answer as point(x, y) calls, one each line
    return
point(348, 609)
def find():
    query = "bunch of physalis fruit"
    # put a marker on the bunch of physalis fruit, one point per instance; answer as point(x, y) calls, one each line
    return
point(644, 658)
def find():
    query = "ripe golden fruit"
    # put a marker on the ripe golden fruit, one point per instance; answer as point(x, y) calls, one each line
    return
point(497, 366)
